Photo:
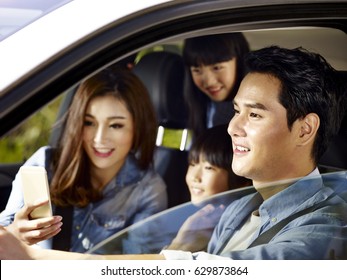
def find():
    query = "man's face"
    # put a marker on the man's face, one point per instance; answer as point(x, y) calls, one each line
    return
point(263, 145)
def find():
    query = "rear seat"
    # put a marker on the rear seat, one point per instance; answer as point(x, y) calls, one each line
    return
point(336, 155)
point(162, 73)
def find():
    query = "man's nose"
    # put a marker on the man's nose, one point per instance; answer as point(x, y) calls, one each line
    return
point(236, 126)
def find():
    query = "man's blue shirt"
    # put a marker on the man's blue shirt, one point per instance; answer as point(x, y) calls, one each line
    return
point(320, 234)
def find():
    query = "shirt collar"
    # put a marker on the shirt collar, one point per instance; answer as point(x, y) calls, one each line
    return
point(302, 194)
point(129, 174)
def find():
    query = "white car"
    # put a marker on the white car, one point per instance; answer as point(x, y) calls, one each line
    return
point(48, 47)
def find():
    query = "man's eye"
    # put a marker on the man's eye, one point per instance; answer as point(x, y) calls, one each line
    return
point(236, 111)
point(255, 115)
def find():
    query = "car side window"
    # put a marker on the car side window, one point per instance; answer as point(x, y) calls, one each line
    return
point(35, 132)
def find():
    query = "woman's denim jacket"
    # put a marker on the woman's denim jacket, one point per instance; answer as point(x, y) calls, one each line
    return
point(131, 196)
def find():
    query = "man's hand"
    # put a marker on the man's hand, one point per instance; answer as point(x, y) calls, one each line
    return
point(11, 248)
point(196, 231)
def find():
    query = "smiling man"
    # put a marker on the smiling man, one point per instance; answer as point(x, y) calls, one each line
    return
point(287, 108)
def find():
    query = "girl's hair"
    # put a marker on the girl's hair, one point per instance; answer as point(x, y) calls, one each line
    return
point(207, 50)
point(214, 145)
point(71, 184)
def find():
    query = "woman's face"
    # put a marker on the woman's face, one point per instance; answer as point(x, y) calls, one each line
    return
point(204, 179)
point(108, 133)
point(216, 80)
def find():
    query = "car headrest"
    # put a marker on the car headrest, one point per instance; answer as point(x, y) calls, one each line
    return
point(336, 155)
point(162, 73)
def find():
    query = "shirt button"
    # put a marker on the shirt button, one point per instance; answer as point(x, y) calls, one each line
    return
point(274, 220)
point(78, 227)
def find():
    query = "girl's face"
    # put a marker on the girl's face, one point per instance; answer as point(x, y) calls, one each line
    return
point(204, 179)
point(108, 134)
point(216, 80)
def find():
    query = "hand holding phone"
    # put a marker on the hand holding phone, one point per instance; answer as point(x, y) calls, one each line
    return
point(35, 187)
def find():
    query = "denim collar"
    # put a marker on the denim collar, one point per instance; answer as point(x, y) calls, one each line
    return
point(130, 174)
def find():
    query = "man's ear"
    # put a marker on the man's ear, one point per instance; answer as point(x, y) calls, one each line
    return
point(308, 129)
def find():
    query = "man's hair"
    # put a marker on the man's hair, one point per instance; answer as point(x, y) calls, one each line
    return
point(308, 85)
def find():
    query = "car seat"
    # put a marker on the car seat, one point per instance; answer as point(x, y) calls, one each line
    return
point(336, 155)
point(162, 73)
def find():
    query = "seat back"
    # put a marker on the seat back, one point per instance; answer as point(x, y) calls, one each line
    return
point(336, 154)
point(163, 75)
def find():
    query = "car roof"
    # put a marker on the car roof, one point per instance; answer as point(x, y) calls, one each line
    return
point(16, 14)
point(47, 35)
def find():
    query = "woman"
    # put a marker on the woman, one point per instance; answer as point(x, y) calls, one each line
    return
point(215, 66)
point(101, 169)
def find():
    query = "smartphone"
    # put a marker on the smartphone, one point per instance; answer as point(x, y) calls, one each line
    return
point(35, 186)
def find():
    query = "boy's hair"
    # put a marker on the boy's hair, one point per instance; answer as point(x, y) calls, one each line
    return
point(214, 145)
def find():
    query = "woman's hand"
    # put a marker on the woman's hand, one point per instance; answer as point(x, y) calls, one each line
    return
point(36, 230)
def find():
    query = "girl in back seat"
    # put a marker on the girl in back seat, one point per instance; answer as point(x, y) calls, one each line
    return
point(215, 67)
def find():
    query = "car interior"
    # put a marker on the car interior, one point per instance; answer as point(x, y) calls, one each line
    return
point(163, 74)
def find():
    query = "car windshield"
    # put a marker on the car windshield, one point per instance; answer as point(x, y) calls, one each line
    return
point(15, 14)
point(157, 232)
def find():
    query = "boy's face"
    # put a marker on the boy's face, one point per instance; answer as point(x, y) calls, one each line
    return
point(204, 179)
point(263, 145)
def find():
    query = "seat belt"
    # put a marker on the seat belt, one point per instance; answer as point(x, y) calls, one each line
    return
point(266, 236)
point(62, 241)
